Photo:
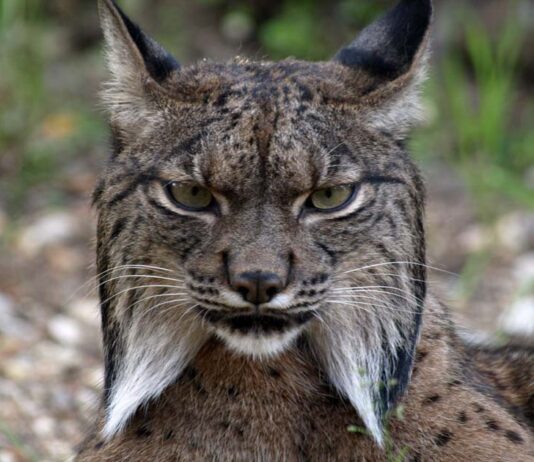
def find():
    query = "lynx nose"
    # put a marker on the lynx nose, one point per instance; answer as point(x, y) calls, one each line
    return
point(257, 287)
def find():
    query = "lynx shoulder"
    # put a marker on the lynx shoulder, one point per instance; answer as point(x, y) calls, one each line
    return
point(261, 255)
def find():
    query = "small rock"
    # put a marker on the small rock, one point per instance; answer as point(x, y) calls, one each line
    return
point(50, 229)
point(11, 325)
point(65, 330)
point(43, 426)
point(61, 258)
point(7, 456)
point(85, 310)
point(6, 306)
point(18, 369)
point(519, 319)
point(515, 231)
point(474, 239)
point(524, 270)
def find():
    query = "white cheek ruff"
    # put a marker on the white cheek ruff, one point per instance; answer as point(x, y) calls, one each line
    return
point(155, 355)
point(256, 345)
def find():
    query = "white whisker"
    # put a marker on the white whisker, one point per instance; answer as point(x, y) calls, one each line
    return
point(408, 263)
point(146, 286)
point(94, 278)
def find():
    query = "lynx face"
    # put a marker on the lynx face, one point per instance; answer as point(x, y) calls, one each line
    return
point(265, 202)
point(260, 202)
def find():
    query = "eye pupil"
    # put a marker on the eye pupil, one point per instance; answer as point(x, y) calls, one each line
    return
point(328, 193)
point(194, 191)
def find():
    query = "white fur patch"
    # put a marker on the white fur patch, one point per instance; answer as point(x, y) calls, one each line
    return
point(156, 353)
point(281, 301)
point(355, 347)
point(258, 346)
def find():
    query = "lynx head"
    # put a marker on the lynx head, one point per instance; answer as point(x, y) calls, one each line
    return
point(263, 202)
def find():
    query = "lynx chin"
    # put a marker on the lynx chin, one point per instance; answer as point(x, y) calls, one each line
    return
point(261, 255)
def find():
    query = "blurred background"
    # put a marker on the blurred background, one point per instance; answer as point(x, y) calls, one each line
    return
point(476, 151)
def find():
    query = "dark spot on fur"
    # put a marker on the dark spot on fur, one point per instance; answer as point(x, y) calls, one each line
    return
point(420, 355)
point(169, 435)
point(492, 425)
point(199, 388)
point(434, 335)
point(305, 93)
point(514, 437)
point(221, 99)
point(190, 373)
point(232, 392)
point(462, 417)
point(431, 399)
point(118, 228)
point(454, 383)
point(143, 432)
point(443, 437)
point(478, 408)
point(416, 457)
point(274, 373)
point(99, 445)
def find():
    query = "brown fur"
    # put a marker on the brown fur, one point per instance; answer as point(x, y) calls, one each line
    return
point(375, 370)
point(228, 408)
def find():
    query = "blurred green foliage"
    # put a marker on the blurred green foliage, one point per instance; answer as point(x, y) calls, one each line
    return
point(42, 126)
point(481, 126)
point(480, 119)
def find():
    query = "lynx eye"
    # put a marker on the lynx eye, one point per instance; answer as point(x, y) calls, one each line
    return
point(329, 199)
point(190, 196)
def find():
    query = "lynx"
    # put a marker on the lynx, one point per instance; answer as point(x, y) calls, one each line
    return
point(261, 255)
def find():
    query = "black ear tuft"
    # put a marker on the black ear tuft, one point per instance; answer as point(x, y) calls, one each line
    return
point(139, 67)
point(130, 50)
point(159, 63)
point(388, 47)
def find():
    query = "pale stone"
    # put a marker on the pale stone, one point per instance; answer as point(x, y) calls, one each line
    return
point(7, 456)
point(85, 310)
point(54, 228)
point(519, 319)
point(474, 239)
point(65, 330)
point(515, 231)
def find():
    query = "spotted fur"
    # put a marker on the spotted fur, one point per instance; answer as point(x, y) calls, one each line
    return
point(352, 360)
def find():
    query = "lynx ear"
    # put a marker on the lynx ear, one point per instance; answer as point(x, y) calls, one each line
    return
point(392, 52)
point(136, 62)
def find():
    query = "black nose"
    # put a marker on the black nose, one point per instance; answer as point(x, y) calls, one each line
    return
point(257, 287)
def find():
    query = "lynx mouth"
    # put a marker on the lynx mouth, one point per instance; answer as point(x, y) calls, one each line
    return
point(255, 333)
point(252, 322)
